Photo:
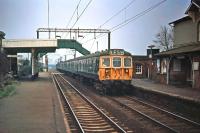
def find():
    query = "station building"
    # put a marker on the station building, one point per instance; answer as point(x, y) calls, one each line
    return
point(143, 64)
point(180, 65)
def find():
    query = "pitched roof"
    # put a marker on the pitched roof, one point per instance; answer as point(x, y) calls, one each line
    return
point(181, 50)
point(193, 5)
point(197, 2)
point(181, 20)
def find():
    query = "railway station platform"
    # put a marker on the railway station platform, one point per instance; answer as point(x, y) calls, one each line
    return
point(185, 93)
point(34, 108)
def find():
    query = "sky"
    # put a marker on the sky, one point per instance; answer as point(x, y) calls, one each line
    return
point(20, 19)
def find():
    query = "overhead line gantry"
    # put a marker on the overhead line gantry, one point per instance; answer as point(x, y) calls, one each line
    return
point(76, 31)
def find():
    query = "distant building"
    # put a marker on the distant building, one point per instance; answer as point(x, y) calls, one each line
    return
point(180, 65)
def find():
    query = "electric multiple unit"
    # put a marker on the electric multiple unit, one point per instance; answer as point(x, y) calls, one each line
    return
point(106, 68)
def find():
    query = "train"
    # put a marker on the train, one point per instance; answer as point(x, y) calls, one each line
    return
point(109, 71)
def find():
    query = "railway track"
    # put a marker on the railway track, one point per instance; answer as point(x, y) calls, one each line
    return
point(86, 116)
point(163, 118)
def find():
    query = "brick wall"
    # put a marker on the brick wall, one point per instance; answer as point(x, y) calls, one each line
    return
point(144, 62)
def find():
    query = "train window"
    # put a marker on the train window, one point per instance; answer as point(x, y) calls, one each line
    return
point(116, 62)
point(106, 62)
point(127, 62)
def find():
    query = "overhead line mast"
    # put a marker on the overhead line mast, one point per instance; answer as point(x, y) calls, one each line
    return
point(48, 17)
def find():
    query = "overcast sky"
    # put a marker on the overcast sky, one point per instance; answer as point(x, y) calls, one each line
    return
point(19, 19)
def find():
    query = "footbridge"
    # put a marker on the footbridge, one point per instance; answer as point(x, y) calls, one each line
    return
point(39, 47)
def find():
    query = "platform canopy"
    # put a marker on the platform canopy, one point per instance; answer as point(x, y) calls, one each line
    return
point(43, 46)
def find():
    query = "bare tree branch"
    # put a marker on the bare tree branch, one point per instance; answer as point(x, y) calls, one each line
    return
point(164, 38)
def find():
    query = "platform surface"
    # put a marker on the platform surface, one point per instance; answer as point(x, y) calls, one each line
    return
point(180, 92)
point(34, 108)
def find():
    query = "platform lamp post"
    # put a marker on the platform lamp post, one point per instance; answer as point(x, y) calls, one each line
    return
point(151, 56)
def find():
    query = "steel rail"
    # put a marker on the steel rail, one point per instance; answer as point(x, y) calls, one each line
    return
point(70, 108)
point(165, 111)
point(120, 129)
point(139, 112)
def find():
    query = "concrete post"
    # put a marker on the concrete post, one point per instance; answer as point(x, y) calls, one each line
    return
point(46, 63)
point(33, 61)
point(36, 65)
point(168, 69)
point(193, 76)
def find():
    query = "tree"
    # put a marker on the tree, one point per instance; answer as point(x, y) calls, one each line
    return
point(2, 36)
point(165, 38)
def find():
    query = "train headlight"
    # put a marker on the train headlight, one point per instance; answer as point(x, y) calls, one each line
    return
point(126, 70)
point(107, 73)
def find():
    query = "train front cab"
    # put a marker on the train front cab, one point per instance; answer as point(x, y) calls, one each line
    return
point(115, 68)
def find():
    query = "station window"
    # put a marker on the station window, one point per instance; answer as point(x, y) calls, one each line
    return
point(158, 65)
point(164, 66)
point(138, 69)
point(106, 62)
point(127, 62)
point(116, 62)
point(176, 65)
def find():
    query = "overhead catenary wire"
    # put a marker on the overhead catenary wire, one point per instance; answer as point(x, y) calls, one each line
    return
point(116, 14)
point(78, 17)
point(76, 9)
point(127, 21)
point(81, 13)
point(72, 15)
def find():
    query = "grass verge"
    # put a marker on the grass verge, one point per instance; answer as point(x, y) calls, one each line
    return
point(8, 89)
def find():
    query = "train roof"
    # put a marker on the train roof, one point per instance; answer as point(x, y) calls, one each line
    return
point(104, 53)
point(115, 52)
